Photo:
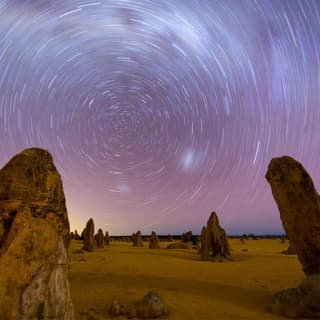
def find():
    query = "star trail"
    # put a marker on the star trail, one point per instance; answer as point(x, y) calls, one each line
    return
point(159, 112)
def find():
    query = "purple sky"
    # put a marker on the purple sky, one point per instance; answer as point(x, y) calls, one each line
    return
point(159, 112)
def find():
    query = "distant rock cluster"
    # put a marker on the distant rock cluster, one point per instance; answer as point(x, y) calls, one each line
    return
point(299, 206)
point(186, 237)
point(91, 241)
point(75, 236)
point(34, 239)
point(137, 239)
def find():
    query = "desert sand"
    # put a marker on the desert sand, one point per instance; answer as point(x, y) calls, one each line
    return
point(192, 288)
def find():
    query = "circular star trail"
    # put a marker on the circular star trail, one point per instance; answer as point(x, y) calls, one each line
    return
point(159, 112)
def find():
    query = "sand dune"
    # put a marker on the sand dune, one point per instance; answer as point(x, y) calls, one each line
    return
point(193, 289)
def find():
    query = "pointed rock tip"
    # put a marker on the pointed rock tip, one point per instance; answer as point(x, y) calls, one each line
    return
point(213, 215)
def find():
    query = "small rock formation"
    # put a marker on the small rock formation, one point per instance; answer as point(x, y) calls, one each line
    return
point(299, 206)
point(118, 309)
point(76, 235)
point(88, 236)
point(99, 239)
point(154, 241)
point(137, 239)
point(214, 242)
point(79, 251)
point(34, 239)
point(107, 239)
point(151, 306)
point(179, 245)
point(186, 237)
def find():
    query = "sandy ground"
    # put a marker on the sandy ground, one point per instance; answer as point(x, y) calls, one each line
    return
point(193, 289)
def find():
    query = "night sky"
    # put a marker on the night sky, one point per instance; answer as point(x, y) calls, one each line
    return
point(158, 112)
